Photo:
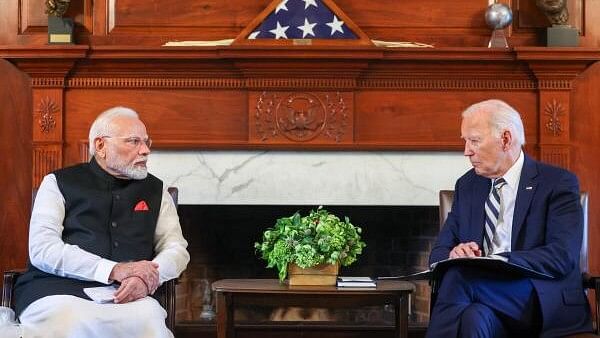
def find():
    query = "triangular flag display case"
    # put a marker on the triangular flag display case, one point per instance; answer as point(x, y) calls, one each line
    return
point(302, 22)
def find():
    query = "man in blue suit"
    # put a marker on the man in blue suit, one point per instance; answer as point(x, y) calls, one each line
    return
point(513, 208)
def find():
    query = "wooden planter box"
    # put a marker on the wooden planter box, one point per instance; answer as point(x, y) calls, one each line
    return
point(322, 274)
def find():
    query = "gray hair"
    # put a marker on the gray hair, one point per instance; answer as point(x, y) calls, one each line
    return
point(502, 117)
point(102, 124)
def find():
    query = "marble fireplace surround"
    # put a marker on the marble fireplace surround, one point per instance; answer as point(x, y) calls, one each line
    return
point(308, 177)
point(272, 178)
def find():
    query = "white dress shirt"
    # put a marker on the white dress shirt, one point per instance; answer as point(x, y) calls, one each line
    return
point(508, 195)
point(49, 253)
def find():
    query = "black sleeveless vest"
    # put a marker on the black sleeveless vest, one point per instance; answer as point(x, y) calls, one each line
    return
point(109, 217)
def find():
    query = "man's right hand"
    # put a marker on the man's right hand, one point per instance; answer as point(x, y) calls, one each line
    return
point(469, 249)
point(146, 270)
point(131, 289)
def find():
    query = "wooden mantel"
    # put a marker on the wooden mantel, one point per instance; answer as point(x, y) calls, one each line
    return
point(239, 97)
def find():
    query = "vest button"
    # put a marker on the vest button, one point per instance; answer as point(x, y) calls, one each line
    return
point(113, 224)
point(116, 244)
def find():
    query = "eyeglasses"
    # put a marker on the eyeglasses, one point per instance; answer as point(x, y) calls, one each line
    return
point(133, 141)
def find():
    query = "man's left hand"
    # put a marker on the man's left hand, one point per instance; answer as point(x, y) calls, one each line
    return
point(131, 289)
point(469, 249)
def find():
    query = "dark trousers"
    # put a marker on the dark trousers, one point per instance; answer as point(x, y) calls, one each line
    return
point(476, 303)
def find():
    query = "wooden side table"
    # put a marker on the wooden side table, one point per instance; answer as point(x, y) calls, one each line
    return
point(233, 292)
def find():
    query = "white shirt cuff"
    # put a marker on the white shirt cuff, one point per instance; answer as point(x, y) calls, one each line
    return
point(103, 271)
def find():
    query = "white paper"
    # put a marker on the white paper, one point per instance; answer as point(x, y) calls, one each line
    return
point(355, 279)
point(101, 294)
point(356, 285)
point(355, 282)
point(224, 42)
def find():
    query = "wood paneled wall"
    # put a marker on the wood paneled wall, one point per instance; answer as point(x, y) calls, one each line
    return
point(221, 97)
point(15, 166)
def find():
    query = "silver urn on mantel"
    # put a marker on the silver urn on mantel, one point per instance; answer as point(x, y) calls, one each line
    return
point(498, 16)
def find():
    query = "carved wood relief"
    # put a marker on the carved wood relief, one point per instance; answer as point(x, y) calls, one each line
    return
point(47, 108)
point(554, 113)
point(301, 117)
point(47, 115)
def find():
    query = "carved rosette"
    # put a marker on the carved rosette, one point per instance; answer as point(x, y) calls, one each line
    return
point(300, 117)
point(47, 108)
point(553, 111)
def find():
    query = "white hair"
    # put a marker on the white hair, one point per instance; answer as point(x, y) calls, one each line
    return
point(102, 124)
point(502, 117)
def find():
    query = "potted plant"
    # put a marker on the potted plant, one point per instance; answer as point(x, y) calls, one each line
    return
point(317, 242)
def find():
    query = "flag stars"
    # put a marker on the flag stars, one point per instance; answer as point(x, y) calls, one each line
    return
point(307, 28)
point(336, 25)
point(308, 3)
point(282, 5)
point(279, 31)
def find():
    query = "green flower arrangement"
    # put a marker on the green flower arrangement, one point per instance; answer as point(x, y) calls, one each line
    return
point(311, 240)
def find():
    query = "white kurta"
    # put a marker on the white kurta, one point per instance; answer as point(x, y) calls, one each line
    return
point(69, 316)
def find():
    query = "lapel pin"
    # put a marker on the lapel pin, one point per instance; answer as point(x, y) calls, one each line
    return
point(528, 188)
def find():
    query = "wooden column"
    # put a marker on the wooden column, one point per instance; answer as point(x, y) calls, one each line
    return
point(555, 70)
point(48, 72)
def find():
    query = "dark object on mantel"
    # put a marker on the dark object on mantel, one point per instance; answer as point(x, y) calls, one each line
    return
point(57, 8)
point(560, 34)
point(60, 30)
point(555, 10)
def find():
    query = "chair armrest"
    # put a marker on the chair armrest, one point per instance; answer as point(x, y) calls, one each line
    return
point(8, 283)
point(167, 300)
point(590, 281)
point(593, 282)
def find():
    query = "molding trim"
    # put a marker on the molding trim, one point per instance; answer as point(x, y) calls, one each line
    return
point(555, 84)
point(48, 82)
point(155, 82)
point(300, 83)
point(448, 84)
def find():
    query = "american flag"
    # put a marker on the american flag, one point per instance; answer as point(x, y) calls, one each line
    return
point(302, 19)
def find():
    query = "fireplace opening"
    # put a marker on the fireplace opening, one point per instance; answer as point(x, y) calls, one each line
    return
point(221, 243)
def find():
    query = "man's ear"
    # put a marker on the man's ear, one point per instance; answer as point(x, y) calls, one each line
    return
point(507, 140)
point(100, 146)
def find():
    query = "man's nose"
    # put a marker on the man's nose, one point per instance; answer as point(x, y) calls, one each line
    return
point(144, 149)
point(468, 151)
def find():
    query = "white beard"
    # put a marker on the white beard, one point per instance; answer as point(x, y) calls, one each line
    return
point(126, 169)
point(136, 173)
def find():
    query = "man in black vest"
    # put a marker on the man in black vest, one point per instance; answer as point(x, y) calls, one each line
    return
point(106, 222)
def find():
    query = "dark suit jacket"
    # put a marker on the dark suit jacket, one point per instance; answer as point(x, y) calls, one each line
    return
point(546, 237)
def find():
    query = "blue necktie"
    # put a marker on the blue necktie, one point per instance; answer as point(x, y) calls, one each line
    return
point(492, 211)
